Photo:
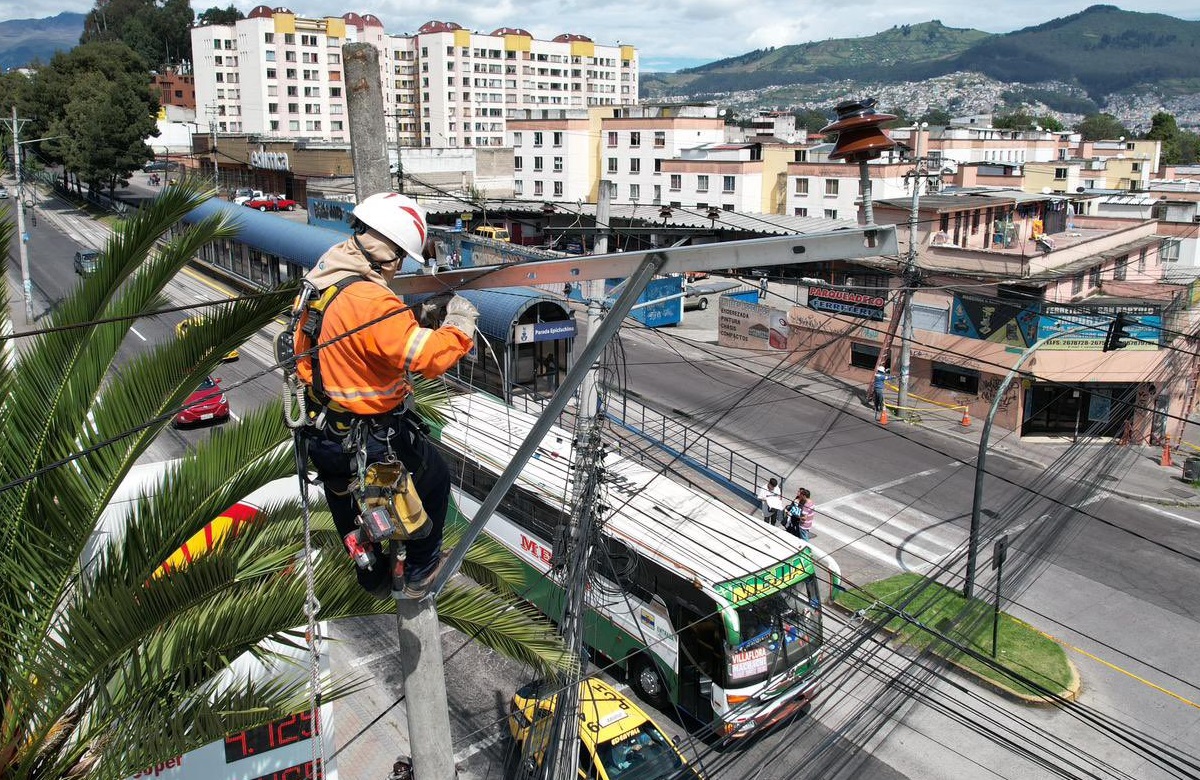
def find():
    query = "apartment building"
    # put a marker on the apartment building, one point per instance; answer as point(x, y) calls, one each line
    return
point(278, 74)
point(570, 151)
point(1130, 164)
point(832, 189)
point(175, 87)
point(960, 144)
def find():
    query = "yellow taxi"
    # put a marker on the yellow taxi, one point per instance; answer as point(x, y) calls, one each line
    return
point(182, 328)
point(617, 740)
point(493, 232)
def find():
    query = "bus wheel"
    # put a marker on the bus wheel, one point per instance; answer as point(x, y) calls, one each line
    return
point(647, 682)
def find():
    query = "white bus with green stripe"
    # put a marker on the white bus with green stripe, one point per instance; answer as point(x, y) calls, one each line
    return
point(705, 607)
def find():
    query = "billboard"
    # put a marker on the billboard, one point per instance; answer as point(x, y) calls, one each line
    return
point(1145, 327)
point(832, 300)
point(752, 325)
point(995, 321)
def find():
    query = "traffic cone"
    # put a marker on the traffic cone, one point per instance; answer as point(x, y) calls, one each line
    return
point(966, 420)
point(1166, 456)
point(883, 416)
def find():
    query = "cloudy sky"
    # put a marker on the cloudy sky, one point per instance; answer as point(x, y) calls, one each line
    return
point(677, 33)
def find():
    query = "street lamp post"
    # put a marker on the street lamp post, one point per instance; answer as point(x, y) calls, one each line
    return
point(981, 458)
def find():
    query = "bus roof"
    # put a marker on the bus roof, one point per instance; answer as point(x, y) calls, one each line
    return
point(721, 549)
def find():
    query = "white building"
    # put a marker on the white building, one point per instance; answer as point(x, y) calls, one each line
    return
point(277, 74)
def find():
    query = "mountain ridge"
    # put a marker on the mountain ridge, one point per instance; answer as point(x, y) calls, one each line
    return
point(22, 41)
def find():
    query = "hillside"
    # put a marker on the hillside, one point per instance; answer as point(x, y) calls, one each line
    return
point(1101, 50)
point(906, 45)
point(24, 40)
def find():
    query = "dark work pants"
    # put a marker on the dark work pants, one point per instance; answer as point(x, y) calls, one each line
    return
point(338, 468)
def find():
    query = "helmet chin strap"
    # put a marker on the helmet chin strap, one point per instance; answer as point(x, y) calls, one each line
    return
point(375, 265)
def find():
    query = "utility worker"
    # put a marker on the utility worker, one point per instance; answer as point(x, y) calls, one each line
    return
point(358, 381)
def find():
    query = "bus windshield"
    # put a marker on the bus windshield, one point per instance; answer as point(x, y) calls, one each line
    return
point(779, 631)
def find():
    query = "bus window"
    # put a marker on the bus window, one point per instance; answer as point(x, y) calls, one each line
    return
point(788, 615)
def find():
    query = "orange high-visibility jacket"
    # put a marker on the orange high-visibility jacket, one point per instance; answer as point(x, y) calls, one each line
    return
point(367, 372)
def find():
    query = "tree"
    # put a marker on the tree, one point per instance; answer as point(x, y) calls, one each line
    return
point(215, 15)
point(160, 34)
point(1163, 128)
point(936, 117)
point(1017, 120)
point(811, 120)
point(107, 668)
point(1100, 127)
point(1051, 123)
point(96, 107)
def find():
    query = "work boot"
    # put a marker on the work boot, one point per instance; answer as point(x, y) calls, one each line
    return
point(419, 588)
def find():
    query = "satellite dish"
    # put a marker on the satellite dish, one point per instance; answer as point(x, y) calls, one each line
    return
point(1046, 190)
point(1081, 189)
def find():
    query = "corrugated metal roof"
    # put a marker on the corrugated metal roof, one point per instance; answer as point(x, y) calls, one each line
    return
point(499, 309)
point(302, 244)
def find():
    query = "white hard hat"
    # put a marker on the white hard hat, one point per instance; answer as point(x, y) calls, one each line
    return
point(398, 218)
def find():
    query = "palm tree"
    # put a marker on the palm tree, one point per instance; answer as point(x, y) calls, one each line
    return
point(106, 668)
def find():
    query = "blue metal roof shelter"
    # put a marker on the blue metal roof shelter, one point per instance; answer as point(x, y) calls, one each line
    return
point(291, 241)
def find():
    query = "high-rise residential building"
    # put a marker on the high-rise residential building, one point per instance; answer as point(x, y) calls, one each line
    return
point(280, 75)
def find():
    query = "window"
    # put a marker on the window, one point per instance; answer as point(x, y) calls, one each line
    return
point(728, 183)
point(289, 38)
point(270, 73)
point(1077, 283)
point(635, 165)
point(612, 139)
point(537, 163)
point(537, 138)
point(289, 56)
point(660, 139)
point(800, 212)
point(272, 108)
point(335, 59)
point(635, 139)
point(1060, 174)
point(557, 138)
point(1137, 167)
point(801, 186)
point(635, 191)
point(518, 138)
point(962, 380)
point(863, 355)
point(676, 181)
point(702, 183)
point(1142, 261)
point(268, 37)
point(831, 188)
point(518, 187)
point(830, 213)
point(612, 164)
point(558, 164)
point(538, 188)
point(518, 164)
point(558, 189)
point(1094, 276)
point(1119, 269)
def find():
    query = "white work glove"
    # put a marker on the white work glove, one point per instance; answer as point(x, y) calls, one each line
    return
point(433, 310)
point(461, 314)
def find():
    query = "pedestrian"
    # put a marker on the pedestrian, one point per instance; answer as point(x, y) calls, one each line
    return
point(808, 512)
point(771, 496)
point(877, 388)
point(358, 390)
point(762, 287)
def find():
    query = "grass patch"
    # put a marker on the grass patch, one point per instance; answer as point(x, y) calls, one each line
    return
point(1021, 647)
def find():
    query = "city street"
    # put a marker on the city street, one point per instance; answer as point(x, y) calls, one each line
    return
point(1112, 578)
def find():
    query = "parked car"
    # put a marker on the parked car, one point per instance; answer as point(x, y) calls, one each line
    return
point(3, 192)
point(617, 739)
point(493, 232)
point(272, 203)
point(85, 261)
point(243, 194)
point(693, 299)
point(206, 403)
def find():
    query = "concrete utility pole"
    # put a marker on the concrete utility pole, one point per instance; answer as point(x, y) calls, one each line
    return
point(22, 236)
point(416, 621)
point(212, 129)
point(368, 130)
point(910, 273)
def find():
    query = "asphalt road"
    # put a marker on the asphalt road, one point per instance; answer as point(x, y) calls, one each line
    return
point(1113, 580)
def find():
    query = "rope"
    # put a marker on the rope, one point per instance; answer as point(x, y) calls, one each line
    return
point(311, 607)
point(954, 407)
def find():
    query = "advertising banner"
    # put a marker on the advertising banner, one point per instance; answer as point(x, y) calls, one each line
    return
point(752, 325)
point(994, 321)
point(1146, 327)
point(831, 300)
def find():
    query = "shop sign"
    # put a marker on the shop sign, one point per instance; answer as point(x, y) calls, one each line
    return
point(1146, 327)
point(271, 161)
point(832, 300)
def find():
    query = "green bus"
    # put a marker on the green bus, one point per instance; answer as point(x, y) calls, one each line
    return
point(704, 607)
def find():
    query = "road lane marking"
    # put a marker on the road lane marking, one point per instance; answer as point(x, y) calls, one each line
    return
point(1172, 515)
point(134, 331)
point(1098, 497)
point(235, 417)
point(892, 484)
point(369, 660)
point(482, 744)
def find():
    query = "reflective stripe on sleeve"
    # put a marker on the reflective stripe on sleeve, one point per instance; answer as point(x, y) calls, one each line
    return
point(416, 343)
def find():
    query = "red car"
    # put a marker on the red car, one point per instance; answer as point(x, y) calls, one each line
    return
point(207, 403)
point(272, 204)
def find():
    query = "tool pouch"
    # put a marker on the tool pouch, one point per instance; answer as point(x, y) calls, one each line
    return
point(388, 486)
